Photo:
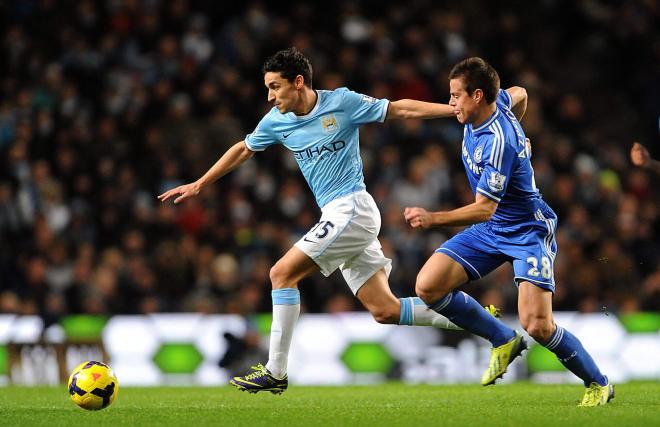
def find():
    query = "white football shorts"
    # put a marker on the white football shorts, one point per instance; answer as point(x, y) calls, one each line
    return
point(346, 237)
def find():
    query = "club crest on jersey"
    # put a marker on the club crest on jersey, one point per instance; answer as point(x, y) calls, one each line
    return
point(368, 99)
point(471, 164)
point(329, 124)
point(478, 152)
point(496, 181)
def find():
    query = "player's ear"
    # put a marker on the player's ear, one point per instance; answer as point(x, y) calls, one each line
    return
point(299, 81)
point(478, 95)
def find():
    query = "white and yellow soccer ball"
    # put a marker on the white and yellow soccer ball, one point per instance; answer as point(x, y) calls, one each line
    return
point(93, 385)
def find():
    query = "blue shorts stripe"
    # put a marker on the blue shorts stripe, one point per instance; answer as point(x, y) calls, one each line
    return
point(550, 286)
point(460, 260)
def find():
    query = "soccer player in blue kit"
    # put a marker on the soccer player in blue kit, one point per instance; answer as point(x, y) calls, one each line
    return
point(508, 222)
point(321, 128)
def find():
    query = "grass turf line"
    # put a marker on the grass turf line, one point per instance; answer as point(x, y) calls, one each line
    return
point(392, 404)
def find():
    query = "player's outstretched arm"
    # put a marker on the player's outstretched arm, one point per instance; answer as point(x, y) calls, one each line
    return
point(480, 211)
point(518, 101)
point(412, 109)
point(640, 156)
point(233, 158)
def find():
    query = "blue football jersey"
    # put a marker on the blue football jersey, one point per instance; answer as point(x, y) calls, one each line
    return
point(498, 166)
point(325, 142)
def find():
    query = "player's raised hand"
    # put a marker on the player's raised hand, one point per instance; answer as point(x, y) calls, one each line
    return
point(418, 217)
point(639, 155)
point(183, 191)
point(528, 147)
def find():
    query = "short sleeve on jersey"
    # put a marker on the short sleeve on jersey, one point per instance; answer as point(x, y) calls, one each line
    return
point(262, 137)
point(499, 161)
point(362, 109)
point(504, 99)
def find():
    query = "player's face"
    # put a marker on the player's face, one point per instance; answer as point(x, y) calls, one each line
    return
point(281, 92)
point(465, 107)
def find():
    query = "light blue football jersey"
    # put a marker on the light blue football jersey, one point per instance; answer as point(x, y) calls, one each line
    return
point(498, 166)
point(325, 142)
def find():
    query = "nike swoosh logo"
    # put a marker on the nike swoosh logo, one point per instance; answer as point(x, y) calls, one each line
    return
point(307, 240)
point(286, 135)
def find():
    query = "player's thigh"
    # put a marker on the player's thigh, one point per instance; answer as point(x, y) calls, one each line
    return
point(535, 310)
point(439, 276)
point(294, 266)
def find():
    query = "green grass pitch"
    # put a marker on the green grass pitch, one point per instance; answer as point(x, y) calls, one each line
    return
point(392, 404)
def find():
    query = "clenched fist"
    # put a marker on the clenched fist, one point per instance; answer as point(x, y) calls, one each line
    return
point(418, 217)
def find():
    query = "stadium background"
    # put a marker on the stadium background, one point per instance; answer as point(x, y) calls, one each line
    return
point(104, 105)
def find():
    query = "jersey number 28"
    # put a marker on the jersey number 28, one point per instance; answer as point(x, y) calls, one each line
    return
point(546, 267)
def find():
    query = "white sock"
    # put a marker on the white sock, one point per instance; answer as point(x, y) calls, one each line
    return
point(415, 312)
point(286, 309)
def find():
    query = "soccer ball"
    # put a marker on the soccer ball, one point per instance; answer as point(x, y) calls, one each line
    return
point(93, 385)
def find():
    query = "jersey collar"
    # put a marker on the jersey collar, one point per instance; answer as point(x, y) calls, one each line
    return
point(488, 122)
point(311, 113)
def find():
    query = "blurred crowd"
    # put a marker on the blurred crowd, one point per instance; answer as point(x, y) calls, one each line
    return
point(105, 104)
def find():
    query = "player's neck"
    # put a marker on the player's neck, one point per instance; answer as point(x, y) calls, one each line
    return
point(483, 114)
point(308, 99)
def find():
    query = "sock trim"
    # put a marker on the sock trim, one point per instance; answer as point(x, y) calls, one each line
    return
point(417, 301)
point(555, 339)
point(286, 296)
point(405, 312)
point(442, 303)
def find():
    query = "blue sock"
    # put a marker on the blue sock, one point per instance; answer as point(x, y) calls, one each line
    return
point(571, 354)
point(467, 313)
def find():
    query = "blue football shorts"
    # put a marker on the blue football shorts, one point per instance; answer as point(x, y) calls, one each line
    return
point(529, 246)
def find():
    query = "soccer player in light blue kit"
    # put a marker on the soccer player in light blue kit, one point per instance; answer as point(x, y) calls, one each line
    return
point(509, 222)
point(321, 128)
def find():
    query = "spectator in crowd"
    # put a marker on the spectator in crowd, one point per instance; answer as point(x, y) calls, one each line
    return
point(103, 104)
point(640, 156)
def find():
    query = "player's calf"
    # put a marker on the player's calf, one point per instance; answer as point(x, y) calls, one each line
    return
point(386, 315)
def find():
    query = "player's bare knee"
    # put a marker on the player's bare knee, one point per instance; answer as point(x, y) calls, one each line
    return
point(430, 290)
point(278, 276)
point(429, 297)
point(428, 294)
point(422, 290)
point(423, 295)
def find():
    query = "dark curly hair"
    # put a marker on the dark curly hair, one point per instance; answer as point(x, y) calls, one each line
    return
point(290, 63)
point(477, 74)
